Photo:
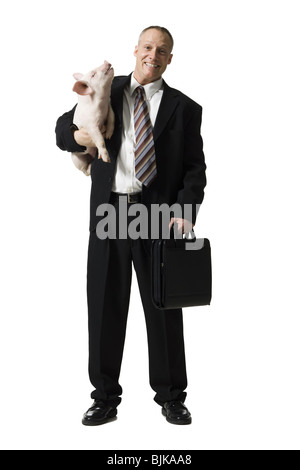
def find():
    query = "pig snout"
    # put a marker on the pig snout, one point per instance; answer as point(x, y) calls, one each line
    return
point(105, 67)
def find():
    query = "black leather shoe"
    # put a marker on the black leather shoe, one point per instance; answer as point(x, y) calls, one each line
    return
point(99, 413)
point(176, 413)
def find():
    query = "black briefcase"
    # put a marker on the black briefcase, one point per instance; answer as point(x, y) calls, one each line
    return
point(181, 273)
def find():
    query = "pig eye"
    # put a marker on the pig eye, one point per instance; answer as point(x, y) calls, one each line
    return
point(93, 74)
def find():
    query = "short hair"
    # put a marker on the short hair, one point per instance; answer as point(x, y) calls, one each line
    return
point(162, 30)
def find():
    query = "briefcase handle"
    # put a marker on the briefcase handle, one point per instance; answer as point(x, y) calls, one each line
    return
point(189, 236)
point(192, 242)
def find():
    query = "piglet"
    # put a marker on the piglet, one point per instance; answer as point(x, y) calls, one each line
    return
point(93, 112)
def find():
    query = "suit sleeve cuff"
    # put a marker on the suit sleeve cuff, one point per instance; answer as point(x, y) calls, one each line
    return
point(70, 143)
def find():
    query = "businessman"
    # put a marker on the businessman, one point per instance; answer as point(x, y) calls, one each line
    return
point(156, 154)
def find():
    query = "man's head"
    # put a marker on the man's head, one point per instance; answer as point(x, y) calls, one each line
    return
point(153, 54)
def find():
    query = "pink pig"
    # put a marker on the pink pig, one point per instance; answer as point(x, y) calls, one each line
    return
point(93, 112)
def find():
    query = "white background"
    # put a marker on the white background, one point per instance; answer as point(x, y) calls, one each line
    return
point(240, 61)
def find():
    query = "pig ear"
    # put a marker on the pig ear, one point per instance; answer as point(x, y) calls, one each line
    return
point(77, 76)
point(82, 88)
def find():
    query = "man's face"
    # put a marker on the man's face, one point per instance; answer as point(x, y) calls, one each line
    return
point(153, 55)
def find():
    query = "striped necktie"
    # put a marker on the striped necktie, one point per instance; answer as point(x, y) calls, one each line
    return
point(145, 163)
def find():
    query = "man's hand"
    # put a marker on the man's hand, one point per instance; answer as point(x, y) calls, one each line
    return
point(183, 225)
point(82, 137)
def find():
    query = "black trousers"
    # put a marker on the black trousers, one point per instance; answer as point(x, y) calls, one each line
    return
point(108, 288)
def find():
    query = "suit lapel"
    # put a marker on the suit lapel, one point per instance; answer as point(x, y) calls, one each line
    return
point(117, 95)
point(167, 107)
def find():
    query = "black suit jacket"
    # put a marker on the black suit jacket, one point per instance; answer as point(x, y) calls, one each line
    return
point(178, 147)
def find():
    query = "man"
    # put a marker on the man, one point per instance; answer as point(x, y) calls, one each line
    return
point(175, 174)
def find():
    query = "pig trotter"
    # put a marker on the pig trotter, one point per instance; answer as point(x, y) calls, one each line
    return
point(104, 155)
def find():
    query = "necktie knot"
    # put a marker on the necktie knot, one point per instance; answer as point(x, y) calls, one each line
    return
point(140, 90)
point(140, 95)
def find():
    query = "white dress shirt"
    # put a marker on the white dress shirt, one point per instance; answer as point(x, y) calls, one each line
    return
point(125, 180)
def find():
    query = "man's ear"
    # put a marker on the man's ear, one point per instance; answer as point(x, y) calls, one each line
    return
point(170, 59)
point(82, 88)
point(135, 51)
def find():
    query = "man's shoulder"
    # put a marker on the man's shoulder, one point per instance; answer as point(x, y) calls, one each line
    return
point(120, 80)
point(185, 99)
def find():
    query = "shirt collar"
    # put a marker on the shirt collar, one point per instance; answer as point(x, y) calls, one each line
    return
point(150, 88)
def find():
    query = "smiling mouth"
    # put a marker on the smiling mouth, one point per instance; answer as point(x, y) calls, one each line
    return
point(152, 66)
